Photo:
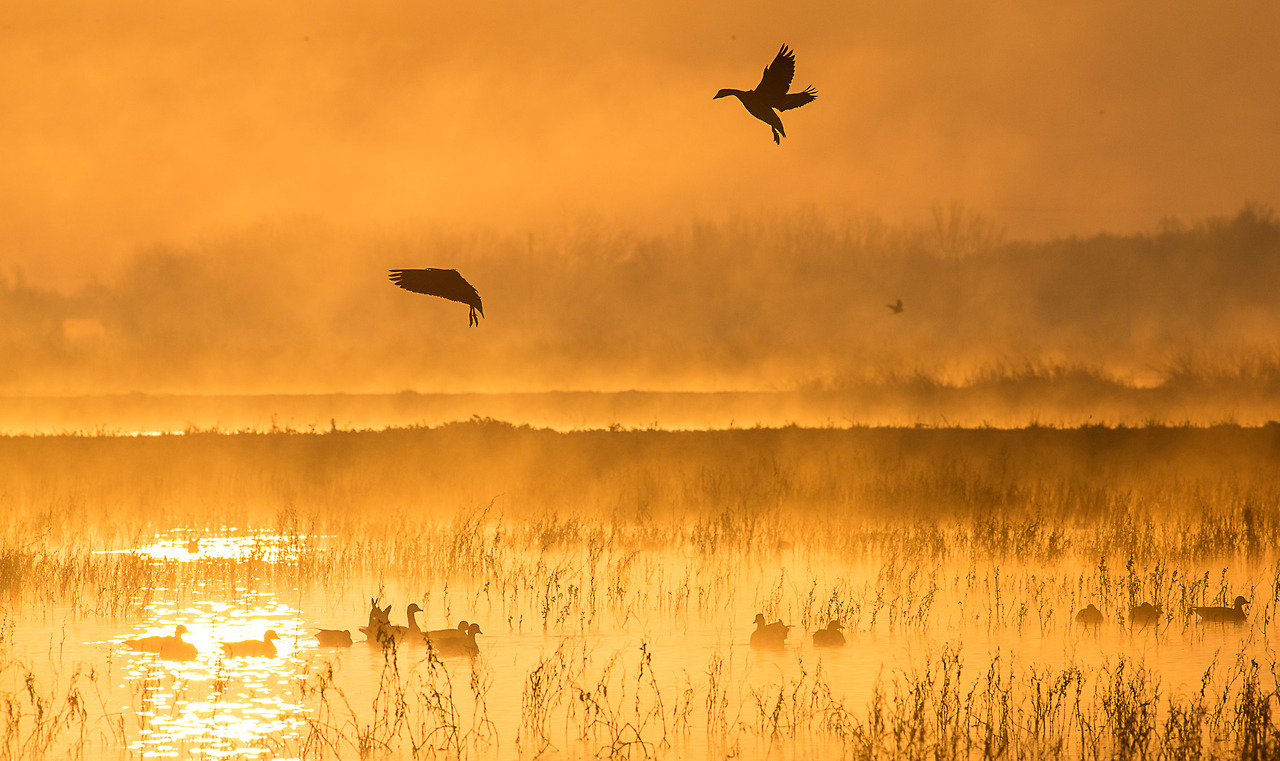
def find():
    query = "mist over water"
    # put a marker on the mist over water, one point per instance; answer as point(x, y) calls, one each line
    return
point(615, 576)
point(988, 338)
point(764, 302)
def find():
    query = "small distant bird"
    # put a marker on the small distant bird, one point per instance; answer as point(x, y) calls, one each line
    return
point(830, 636)
point(772, 93)
point(447, 284)
point(252, 647)
point(1144, 614)
point(333, 637)
point(1090, 616)
point(895, 307)
point(1223, 615)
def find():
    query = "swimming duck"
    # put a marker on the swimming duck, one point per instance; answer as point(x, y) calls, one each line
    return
point(417, 635)
point(1219, 614)
point(252, 647)
point(174, 649)
point(333, 637)
point(442, 634)
point(413, 633)
point(830, 636)
point(380, 631)
point(772, 93)
point(378, 615)
point(458, 647)
point(768, 635)
point(1144, 614)
point(1090, 616)
point(156, 644)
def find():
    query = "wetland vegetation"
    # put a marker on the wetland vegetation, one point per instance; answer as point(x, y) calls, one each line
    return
point(616, 575)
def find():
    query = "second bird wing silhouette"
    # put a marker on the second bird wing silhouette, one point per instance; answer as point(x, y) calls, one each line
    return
point(447, 284)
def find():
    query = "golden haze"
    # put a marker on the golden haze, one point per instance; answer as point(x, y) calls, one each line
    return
point(137, 123)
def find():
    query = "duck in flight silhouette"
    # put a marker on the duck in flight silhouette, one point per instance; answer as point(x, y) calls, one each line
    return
point(447, 284)
point(896, 308)
point(771, 96)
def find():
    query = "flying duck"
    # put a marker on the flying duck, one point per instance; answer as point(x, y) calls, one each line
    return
point(771, 96)
point(447, 284)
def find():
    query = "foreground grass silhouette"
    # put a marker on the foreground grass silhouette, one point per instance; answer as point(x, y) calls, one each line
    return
point(569, 535)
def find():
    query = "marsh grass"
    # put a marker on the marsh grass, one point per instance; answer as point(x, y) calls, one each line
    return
point(903, 534)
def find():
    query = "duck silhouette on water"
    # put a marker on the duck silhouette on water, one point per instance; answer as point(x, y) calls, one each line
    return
point(458, 647)
point(1090, 616)
point(380, 631)
point(154, 644)
point(771, 96)
point(1221, 615)
point(168, 648)
point(249, 648)
point(417, 635)
point(1145, 614)
point(333, 637)
point(438, 635)
point(830, 636)
point(767, 635)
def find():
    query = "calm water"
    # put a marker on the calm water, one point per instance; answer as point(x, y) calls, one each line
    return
point(218, 707)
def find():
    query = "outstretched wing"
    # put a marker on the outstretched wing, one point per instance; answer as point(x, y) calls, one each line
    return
point(797, 99)
point(778, 75)
point(447, 284)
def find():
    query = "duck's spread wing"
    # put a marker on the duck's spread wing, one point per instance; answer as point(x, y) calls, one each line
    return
point(778, 75)
point(797, 99)
point(448, 284)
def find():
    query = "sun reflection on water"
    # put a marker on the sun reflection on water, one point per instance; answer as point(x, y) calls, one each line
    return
point(215, 705)
point(229, 544)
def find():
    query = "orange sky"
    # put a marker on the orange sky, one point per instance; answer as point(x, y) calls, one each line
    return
point(129, 124)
